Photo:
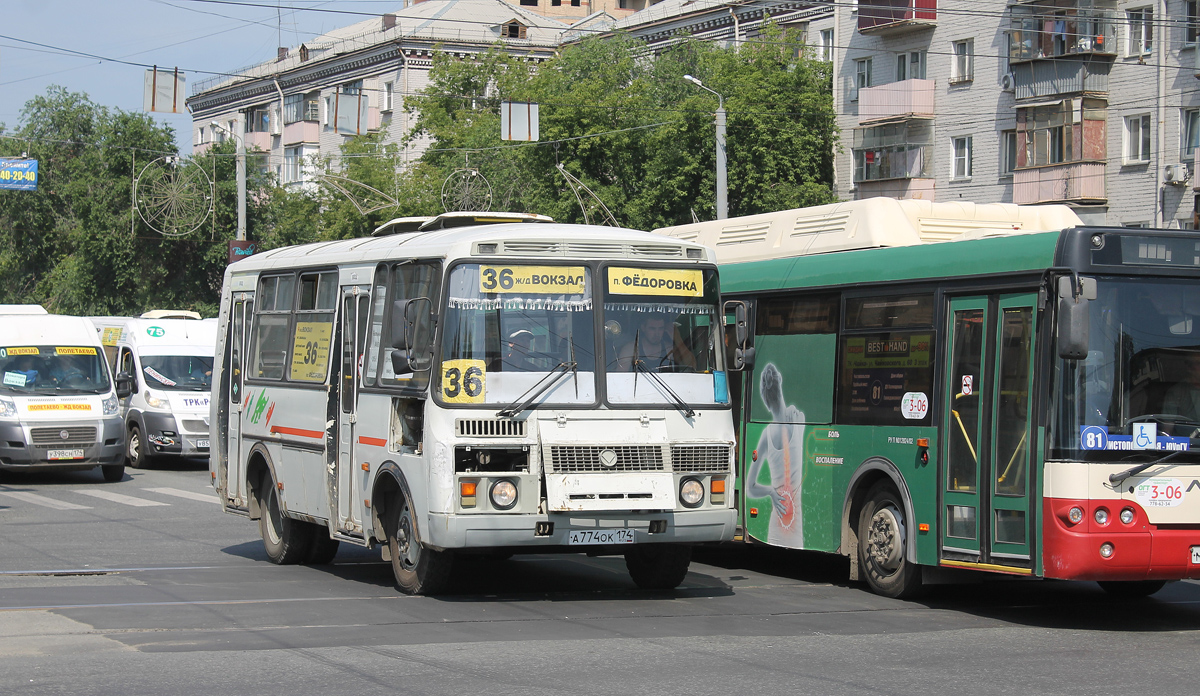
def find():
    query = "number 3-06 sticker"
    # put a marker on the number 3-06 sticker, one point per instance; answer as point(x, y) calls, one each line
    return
point(914, 405)
point(1160, 492)
point(463, 381)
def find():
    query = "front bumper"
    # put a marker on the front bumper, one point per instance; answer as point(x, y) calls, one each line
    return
point(180, 435)
point(20, 450)
point(520, 530)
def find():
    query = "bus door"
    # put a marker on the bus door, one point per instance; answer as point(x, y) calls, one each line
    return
point(231, 467)
point(347, 483)
point(988, 430)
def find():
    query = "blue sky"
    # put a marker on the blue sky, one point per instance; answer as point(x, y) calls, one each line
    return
point(189, 34)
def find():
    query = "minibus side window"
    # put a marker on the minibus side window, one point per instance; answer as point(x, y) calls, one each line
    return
point(270, 333)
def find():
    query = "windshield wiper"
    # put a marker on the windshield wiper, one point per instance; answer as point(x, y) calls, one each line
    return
point(538, 389)
point(640, 366)
point(1121, 476)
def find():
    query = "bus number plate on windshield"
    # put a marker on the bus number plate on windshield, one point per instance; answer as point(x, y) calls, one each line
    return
point(65, 454)
point(600, 536)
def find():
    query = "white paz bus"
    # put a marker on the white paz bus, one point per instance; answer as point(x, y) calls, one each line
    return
point(452, 387)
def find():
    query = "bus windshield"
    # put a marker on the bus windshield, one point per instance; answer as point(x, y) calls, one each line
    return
point(1137, 394)
point(509, 327)
point(662, 335)
point(177, 372)
point(41, 370)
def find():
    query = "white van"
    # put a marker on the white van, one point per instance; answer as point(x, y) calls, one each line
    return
point(169, 365)
point(58, 405)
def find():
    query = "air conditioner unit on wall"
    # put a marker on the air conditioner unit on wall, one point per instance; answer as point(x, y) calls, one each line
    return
point(1007, 82)
point(1177, 174)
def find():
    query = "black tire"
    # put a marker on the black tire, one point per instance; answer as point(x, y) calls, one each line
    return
point(322, 548)
point(112, 472)
point(287, 541)
point(419, 570)
point(1131, 589)
point(882, 539)
point(136, 453)
point(658, 566)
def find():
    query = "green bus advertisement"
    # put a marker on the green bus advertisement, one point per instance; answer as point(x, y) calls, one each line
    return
point(957, 389)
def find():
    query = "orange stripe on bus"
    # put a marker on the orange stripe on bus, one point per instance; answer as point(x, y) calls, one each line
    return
point(376, 441)
point(283, 430)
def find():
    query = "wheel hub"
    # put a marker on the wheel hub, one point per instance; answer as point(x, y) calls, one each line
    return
point(885, 542)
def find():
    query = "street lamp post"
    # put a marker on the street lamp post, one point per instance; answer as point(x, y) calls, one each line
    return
point(722, 183)
point(241, 176)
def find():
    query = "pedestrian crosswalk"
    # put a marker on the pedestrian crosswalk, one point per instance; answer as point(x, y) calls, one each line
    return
point(90, 498)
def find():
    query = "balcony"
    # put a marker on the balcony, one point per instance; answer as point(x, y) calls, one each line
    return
point(1049, 78)
point(1073, 181)
point(1049, 29)
point(301, 132)
point(906, 98)
point(891, 17)
point(261, 141)
point(918, 189)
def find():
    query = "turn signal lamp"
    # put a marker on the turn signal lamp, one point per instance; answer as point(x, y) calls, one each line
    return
point(1075, 515)
point(716, 489)
point(466, 490)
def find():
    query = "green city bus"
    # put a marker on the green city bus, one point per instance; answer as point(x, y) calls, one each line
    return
point(931, 386)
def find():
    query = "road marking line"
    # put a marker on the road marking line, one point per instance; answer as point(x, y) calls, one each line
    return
point(190, 495)
point(43, 501)
point(122, 499)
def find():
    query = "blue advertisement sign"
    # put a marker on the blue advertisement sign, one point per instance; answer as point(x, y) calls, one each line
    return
point(1145, 437)
point(18, 174)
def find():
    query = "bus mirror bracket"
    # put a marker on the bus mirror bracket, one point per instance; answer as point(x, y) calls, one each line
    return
point(743, 352)
point(1073, 318)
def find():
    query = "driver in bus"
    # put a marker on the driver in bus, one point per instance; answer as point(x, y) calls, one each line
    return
point(1183, 398)
point(658, 346)
point(518, 352)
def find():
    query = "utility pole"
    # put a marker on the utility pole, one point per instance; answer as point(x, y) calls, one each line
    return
point(241, 172)
point(722, 176)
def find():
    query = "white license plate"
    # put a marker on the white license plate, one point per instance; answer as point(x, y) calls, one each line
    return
point(577, 537)
point(201, 444)
point(1196, 555)
point(65, 454)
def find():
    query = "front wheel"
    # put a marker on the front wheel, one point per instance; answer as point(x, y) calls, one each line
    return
point(658, 566)
point(1131, 589)
point(112, 472)
point(286, 541)
point(419, 570)
point(135, 449)
point(882, 538)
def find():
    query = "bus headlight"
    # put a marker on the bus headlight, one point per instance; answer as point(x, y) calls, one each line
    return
point(1101, 516)
point(155, 402)
point(8, 408)
point(503, 494)
point(691, 492)
point(1127, 516)
point(110, 405)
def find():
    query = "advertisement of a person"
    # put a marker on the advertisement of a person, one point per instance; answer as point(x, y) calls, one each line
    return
point(780, 449)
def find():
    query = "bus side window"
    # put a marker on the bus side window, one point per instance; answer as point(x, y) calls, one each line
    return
point(127, 366)
point(410, 281)
point(270, 332)
point(785, 327)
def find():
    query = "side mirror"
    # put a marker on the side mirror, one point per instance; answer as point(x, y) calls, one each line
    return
point(399, 338)
point(743, 353)
point(124, 382)
point(1074, 324)
point(744, 358)
point(401, 364)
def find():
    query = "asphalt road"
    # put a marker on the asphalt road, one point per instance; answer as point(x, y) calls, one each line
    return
point(145, 587)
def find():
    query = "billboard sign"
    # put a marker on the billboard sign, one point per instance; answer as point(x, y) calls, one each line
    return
point(18, 174)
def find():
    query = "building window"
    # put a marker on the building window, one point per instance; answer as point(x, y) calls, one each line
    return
point(1141, 31)
point(293, 157)
point(862, 75)
point(893, 151)
point(1008, 152)
point(1137, 139)
point(1191, 30)
point(513, 30)
point(529, 3)
point(910, 66)
point(352, 88)
point(555, 3)
point(963, 64)
point(1189, 132)
point(576, 3)
point(1070, 131)
point(327, 118)
point(962, 158)
point(825, 49)
point(258, 120)
point(387, 96)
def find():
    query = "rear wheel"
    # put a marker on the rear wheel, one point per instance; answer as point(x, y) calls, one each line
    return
point(1132, 589)
point(112, 472)
point(287, 541)
point(135, 449)
point(882, 539)
point(322, 549)
point(418, 570)
point(658, 566)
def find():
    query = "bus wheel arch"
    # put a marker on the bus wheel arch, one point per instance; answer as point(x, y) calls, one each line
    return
point(870, 473)
point(418, 569)
point(259, 467)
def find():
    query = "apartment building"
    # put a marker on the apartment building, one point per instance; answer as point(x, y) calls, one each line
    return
point(1091, 103)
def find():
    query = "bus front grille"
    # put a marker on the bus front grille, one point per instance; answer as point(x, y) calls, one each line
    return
point(489, 427)
point(700, 458)
point(574, 459)
point(53, 437)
